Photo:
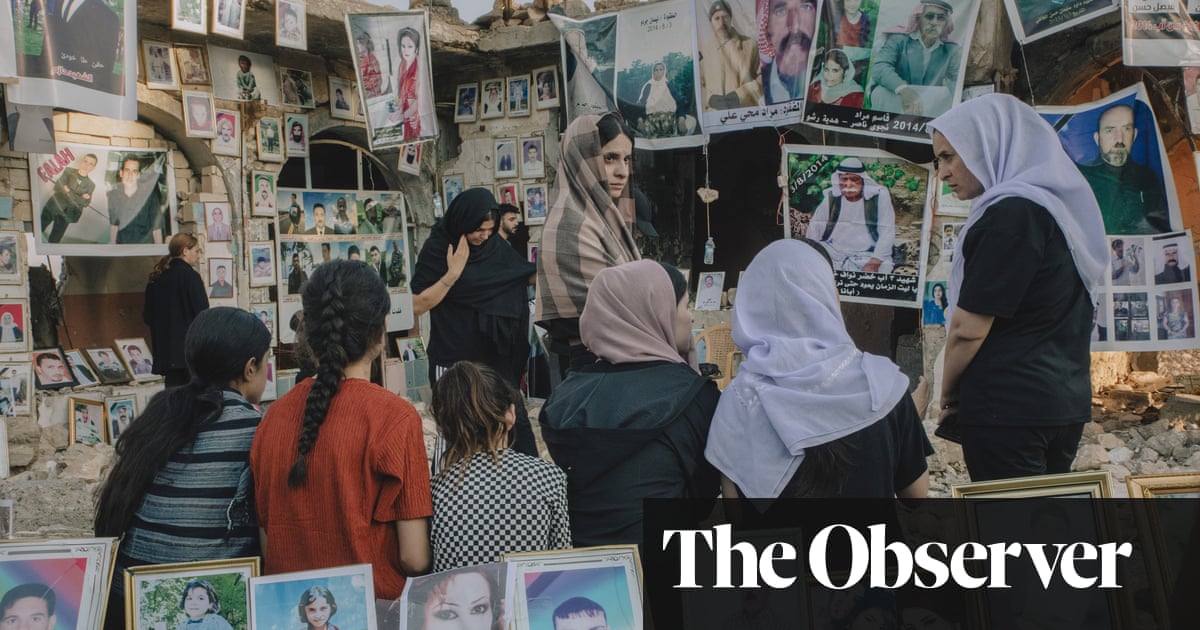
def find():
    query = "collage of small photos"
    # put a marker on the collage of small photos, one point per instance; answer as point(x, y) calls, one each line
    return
point(522, 158)
point(1149, 300)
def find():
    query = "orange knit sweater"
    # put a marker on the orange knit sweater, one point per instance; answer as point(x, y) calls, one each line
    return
point(367, 469)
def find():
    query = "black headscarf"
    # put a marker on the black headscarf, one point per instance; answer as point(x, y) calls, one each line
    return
point(489, 302)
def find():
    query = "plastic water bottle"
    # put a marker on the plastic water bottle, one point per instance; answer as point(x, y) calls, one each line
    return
point(709, 246)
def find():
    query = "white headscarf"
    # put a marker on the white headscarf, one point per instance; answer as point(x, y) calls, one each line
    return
point(854, 166)
point(1014, 152)
point(803, 382)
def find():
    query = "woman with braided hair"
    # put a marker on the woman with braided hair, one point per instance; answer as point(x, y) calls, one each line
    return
point(340, 474)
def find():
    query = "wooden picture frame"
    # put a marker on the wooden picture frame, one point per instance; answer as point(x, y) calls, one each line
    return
point(199, 114)
point(137, 358)
point(1164, 530)
point(192, 62)
point(270, 139)
point(158, 64)
point(86, 421)
point(229, 18)
point(190, 16)
point(109, 367)
point(81, 368)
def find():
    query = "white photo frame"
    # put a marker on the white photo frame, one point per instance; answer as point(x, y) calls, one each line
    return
point(452, 186)
point(291, 24)
point(505, 157)
point(537, 200)
point(410, 158)
point(263, 205)
point(295, 133)
point(12, 269)
point(466, 103)
point(228, 137)
point(545, 85)
point(273, 598)
point(613, 570)
point(14, 325)
point(262, 263)
point(508, 193)
point(190, 16)
point(199, 118)
point(218, 222)
point(120, 411)
point(341, 98)
point(708, 290)
point(229, 18)
point(158, 62)
point(270, 140)
point(16, 384)
point(58, 563)
point(533, 157)
point(491, 96)
point(296, 88)
point(267, 313)
point(84, 375)
point(518, 95)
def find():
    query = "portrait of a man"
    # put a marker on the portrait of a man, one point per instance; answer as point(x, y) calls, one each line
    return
point(729, 77)
point(51, 369)
point(531, 158)
point(1174, 268)
point(106, 362)
point(915, 71)
point(138, 362)
point(1126, 263)
point(855, 221)
point(30, 605)
point(790, 25)
point(135, 204)
point(319, 226)
point(72, 193)
point(1132, 197)
point(220, 286)
point(218, 228)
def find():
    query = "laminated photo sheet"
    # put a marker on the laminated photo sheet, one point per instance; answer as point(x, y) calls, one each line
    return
point(1149, 299)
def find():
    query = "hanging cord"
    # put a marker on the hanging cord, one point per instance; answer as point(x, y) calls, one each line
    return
point(782, 181)
point(707, 185)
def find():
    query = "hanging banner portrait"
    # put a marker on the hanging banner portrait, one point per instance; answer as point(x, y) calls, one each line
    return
point(79, 55)
point(1035, 19)
point(1158, 33)
point(656, 78)
point(872, 75)
point(1116, 144)
point(1149, 302)
point(392, 63)
point(589, 58)
point(102, 201)
point(316, 226)
point(866, 208)
point(8, 47)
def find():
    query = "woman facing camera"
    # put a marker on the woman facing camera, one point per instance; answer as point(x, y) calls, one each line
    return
point(180, 489)
point(809, 414)
point(487, 498)
point(340, 474)
point(631, 425)
point(470, 599)
point(589, 226)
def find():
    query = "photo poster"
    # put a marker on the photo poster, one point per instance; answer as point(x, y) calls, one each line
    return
point(656, 77)
point(1149, 301)
point(540, 582)
point(741, 83)
point(395, 76)
point(366, 225)
point(589, 53)
point(86, 61)
point(77, 570)
point(8, 45)
point(1035, 19)
point(894, 192)
point(426, 596)
point(78, 190)
point(900, 94)
point(156, 596)
point(1138, 196)
point(1158, 33)
point(1192, 97)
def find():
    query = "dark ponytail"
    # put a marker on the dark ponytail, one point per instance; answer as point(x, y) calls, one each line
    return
point(345, 304)
point(218, 344)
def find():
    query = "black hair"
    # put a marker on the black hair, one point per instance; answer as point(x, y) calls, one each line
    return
point(48, 355)
point(577, 606)
point(508, 208)
point(214, 602)
point(434, 589)
point(218, 344)
point(310, 595)
point(345, 304)
point(242, 58)
point(612, 125)
point(678, 282)
point(412, 34)
point(29, 589)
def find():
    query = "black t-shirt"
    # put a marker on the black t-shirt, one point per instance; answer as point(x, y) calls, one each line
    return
point(1033, 366)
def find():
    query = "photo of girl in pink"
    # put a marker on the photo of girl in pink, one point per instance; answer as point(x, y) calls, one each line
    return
point(405, 107)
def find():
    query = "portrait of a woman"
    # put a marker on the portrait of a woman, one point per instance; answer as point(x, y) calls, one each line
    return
point(408, 82)
point(935, 304)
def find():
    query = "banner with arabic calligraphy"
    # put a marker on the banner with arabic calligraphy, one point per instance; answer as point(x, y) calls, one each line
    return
point(1034, 19)
point(894, 68)
point(639, 62)
point(867, 208)
point(1159, 33)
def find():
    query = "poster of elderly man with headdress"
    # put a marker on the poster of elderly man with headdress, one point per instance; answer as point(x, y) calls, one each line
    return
point(865, 208)
point(888, 67)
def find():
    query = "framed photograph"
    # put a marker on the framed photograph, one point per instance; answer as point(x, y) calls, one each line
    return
point(545, 81)
point(452, 186)
point(1165, 529)
point(86, 421)
point(269, 391)
point(506, 157)
point(410, 349)
point(6, 519)
point(213, 593)
point(428, 599)
point(339, 596)
point(535, 204)
point(270, 140)
point(198, 114)
point(507, 193)
point(1097, 485)
point(158, 61)
point(216, 222)
point(265, 313)
point(229, 18)
point(410, 159)
point(539, 582)
point(239, 75)
point(120, 410)
point(262, 263)
point(533, 253)
point(296, 131)
point(16, 383)
point(108, 367)
point(291, 25)
point(392, 62)
point(50, 369)
point(228, 140)
point(262, 193)
point(137, 358)
point(220, 280)
point(341, 98)
point(81, 369)
point(296, 87)
point(190, 16)
point(193, 64)
point(10, 258)
point(533, 163)
point(491, 93)
point(708, 291)
point(466, 103)
point(518, 95)
point(74, 573)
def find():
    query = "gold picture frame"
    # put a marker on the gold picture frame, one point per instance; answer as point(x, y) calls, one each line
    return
point(228, 579)
point(1164, 530)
